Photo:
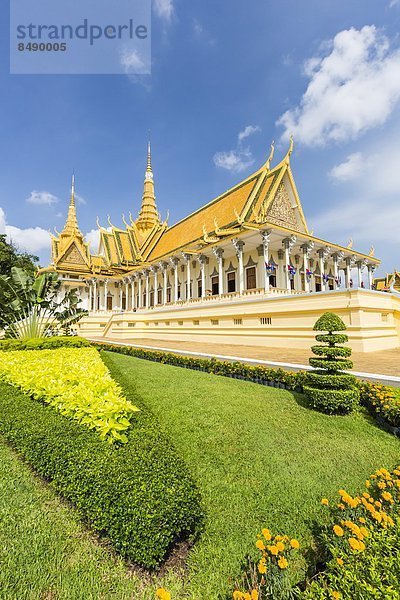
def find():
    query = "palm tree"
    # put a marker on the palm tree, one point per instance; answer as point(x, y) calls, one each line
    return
point(33, 307)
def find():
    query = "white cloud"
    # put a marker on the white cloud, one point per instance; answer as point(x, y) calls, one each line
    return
point(164, 9)
point(247, 131)
point(394, 3)
point(351, 168)
point(133, 63)
point(93, 239)
point(79, 199)
point(352, 89)
point(234, 160)
point(240, 158)
point(44, 198)
point(32, 239)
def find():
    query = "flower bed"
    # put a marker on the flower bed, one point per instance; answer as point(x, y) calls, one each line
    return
point(76, 382)
point(358, 550)
point(383, 402)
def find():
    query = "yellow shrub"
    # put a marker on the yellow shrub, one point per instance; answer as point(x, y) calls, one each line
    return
point(76, 382)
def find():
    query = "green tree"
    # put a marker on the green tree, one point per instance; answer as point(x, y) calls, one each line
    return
point(34, 307)
point(10, 257)
point(328, 388)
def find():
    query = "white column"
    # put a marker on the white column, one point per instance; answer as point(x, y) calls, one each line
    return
point(120, 295)
point(105, 294)
point(95, 294)
point(238, 245)
point(155, 284)
point(219, 253)
point(174, 262)
point(335, 271)
point(359, 272)
point(126, 294)
point(147, 276)
point(187, 258)
point(90, 294)
point(165, 281)
point(306, 255)
point(133, 303)
point(322, 269)
point(371, 269)
point(288, 245)
point(348, 271)
point(140, 291)
point(202, 260)
point(266, 236)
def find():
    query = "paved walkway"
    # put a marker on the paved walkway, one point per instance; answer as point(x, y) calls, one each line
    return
point(384, 362)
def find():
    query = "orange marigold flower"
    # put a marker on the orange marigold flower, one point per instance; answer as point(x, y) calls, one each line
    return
point(387, 496)
point(338, 530)
point(262, 567)
point(367, 483)
point(325, 502)
point(280, 546)
point(294, 544)
point(341, 506)
point(364, 531)
point(362, 520)
point(282, 563)
point(254, 595)
point(273, 549)
point(260, 545)
point(163, 594)
point(339, 561)
point(335, 595)
point(267, 534)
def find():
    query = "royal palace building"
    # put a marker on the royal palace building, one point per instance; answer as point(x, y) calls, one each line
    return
point(242, 269)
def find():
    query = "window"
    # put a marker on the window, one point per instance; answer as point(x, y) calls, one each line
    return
point(272, 281)
point(168, 294)
point(231, 282)
point(214, 322)
point(159, 297)
point(179, 292)
point(215, 285)
point(196, 322)
point(155, 323)
point(251, 282)
point(123, 303)
point(265, 320)
point(166, 323)
point(180, 322)
point(109, 302)
point(144, 299)
point(151, 298)
point(131, 324)
point(237, 321)
point(199, 289)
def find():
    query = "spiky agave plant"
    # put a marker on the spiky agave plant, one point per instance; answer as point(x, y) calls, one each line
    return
point(32, 307)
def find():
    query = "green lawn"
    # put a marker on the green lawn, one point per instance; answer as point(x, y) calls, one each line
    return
point(259, 456)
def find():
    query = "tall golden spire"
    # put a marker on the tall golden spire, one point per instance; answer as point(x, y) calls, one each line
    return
point(71, 224)
point(148, 215)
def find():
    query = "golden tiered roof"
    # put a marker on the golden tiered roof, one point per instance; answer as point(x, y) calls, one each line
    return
point(268, 197)
point(391, 280)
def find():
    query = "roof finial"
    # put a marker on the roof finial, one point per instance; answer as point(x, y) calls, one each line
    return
point(271, 155)
point(149, 169)
point(291, 145)
point(73, 188)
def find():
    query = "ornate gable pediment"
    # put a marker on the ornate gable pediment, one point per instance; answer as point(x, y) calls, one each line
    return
point(281, 211)
point(72, 256)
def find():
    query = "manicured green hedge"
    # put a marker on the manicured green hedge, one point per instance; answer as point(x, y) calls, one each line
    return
point(237, 370)
point(43, 343)
point(140, 495)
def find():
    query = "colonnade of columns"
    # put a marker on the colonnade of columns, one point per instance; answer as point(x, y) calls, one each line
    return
point(296, 269)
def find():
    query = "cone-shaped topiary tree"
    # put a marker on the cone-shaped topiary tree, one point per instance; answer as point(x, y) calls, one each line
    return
point(327, 387)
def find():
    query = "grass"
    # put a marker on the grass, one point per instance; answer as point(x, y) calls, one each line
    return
point(260, 457)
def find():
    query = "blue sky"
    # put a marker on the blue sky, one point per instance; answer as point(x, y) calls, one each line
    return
point(227, 78)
